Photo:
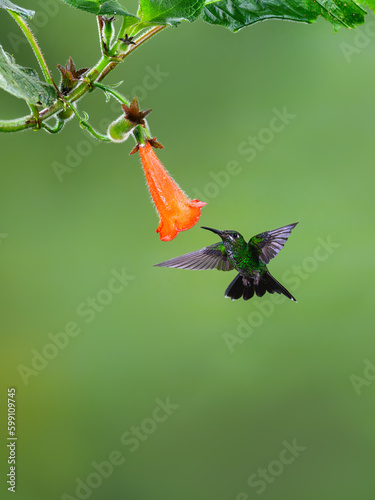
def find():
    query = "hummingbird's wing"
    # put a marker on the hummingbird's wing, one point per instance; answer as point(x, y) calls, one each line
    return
point(212, 257)
point(271, 242)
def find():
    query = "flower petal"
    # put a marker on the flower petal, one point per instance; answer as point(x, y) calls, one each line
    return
point(177, 212)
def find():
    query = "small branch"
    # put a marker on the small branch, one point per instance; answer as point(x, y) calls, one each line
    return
point(113, 92)
point(34, 45)
point(53, 130)
point(86, 126)
point(104, 66)
point(35, 112)
point(26, 122)
point(141, 40)
point(17, 124)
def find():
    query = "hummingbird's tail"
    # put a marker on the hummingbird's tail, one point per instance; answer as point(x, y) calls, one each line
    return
point(246, 287)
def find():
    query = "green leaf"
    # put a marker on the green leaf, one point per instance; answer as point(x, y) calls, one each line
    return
point(24, 83)
point(27, 14)
point(111, 8)
point(341, 13)
point(236, 14)
point(169, 12)
point(369, 3)
point(100, 7)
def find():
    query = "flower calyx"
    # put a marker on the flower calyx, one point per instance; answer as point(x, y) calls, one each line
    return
point(153, 142)
point(69, 76)
point(107, 31)
point(128, 40)
point(133, 114)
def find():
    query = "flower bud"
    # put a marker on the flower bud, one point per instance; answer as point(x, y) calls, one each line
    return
point(65, 114)
point(108, 31)
point(120, 129)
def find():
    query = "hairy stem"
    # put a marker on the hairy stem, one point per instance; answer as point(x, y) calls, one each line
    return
point(34, 45)
point(104, 66)
point(86, 126)
point(35, 111)
point(114, 93)
point(141, 40)
point(53, 130)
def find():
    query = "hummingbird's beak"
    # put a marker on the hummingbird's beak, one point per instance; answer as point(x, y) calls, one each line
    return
point(216, 231)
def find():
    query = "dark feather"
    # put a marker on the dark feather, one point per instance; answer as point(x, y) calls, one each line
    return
point(272, 286)
point(249, 291)
point(260, 289)
point(271, 242)
point(246, 287)
point(212, 257)
point(236, 288)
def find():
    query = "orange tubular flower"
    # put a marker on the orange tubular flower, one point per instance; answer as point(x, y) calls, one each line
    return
point(177, 213)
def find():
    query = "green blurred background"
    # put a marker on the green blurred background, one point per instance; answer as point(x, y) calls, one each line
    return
point(164, 336)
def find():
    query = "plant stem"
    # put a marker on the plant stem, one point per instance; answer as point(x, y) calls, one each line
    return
point(104, 66)
point(34, 45)
point(83, 87)
point(146, 36)
point(113, 92)
point(35, 111)
point(86, 126)
point(139, 135)
point(141, 40)
point(53, 130)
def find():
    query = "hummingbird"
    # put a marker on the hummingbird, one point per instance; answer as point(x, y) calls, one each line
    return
point(249, 259)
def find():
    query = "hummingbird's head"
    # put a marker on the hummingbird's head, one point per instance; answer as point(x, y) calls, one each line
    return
point(231, 237)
